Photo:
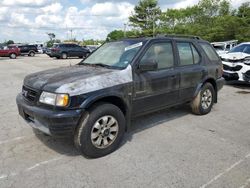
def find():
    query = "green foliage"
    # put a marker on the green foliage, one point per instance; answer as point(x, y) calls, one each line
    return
point(8, 42)
point(91, 42)
point(51, 36)
point(146, 16)
point(213, 20)
point(51, 42)
point(115, 35)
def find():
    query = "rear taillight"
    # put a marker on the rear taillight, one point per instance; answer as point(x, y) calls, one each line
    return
point(55, 49)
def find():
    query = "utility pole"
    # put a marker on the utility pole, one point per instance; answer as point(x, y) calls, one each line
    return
point(71, 34)
point(124, 31)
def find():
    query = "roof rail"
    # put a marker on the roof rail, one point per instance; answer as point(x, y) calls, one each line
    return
point(179, 36)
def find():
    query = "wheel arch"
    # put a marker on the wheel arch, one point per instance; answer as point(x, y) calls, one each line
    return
point(115, 99)
point(207, 80)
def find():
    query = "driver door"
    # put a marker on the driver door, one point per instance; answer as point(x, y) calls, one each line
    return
point(158, 88)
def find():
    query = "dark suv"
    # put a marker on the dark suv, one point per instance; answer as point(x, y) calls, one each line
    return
point(95, 100)
point(68, 50)
point(29, 50)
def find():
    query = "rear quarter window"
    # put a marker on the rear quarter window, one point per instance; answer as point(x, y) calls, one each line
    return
point(211, 54)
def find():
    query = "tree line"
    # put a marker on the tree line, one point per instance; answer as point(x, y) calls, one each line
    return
point(213, 20)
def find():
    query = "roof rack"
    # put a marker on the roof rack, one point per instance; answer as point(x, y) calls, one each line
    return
point(180, 36)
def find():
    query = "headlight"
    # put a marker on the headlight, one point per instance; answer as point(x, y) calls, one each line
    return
point(54, 99)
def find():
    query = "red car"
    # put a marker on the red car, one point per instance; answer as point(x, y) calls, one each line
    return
point(9, 52)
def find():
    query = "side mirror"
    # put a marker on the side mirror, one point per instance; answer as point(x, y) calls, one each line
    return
point(148, 65)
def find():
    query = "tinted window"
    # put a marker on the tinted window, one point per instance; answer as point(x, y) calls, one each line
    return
point(210, 52)
point(247, 49)
point(240, 48)
point(188, 54)
point(196, 55)
point(162, 53)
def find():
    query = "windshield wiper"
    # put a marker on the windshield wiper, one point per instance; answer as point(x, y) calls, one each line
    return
point(102, 65)
point(98, 65)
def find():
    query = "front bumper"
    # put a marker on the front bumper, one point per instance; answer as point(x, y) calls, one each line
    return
point(230, 76)
point(53, 122)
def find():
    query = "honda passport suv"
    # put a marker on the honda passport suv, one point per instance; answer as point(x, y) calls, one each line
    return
point(95, 100)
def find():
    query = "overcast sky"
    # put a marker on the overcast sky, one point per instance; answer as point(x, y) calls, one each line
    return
point(30, 20)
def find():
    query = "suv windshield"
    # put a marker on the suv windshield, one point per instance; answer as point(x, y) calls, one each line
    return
point(241, 48)
point(114, 54)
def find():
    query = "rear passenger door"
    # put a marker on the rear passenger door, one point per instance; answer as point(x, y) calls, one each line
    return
point(158, 88)
point(190, 69)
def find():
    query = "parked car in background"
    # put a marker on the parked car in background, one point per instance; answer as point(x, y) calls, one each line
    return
point(95, 100)
point(236, 63)
point(224, 47)
point(44, 49)
point(11, 52)
point(91, 48)
point(48, 52)
point(68, 50)
point(29, 50)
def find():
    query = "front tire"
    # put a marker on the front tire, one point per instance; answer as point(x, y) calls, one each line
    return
point(203, 102)
point(64, 56)
point(101, 131)
point(32, 54)
point(12, 56)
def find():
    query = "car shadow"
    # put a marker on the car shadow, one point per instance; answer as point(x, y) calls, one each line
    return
point(65, 146)
point(238, 84)
point(154, 119)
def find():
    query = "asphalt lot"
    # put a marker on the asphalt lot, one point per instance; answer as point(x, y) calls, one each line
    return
point(172, 148)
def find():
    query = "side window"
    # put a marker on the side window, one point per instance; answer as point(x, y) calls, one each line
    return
point(162, 53)
point(196, 55)
point(210, 52)
point(187, 53)
point(247, 49)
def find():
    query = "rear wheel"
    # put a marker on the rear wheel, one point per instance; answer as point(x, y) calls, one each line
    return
point(32, 54)
point(12, 56)
point(64, 56)
point(203, 102)
point(101, 131)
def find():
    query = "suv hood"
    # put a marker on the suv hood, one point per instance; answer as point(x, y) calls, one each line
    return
point(78, 79)
point(234, 56)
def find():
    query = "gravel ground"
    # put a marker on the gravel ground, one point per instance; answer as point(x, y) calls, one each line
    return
point(171, 148)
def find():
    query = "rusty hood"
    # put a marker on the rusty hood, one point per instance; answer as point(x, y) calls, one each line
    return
point(78, 79)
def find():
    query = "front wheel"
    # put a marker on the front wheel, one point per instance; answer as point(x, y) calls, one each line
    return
point(64, 56)
point(203, 102)
point(12, 56)
point(32, 54)
point(101, 131)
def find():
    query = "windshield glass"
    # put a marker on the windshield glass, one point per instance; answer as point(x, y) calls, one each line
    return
point(241, 48)
point(114, 54)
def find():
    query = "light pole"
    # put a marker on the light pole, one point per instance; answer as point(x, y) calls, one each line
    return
point(124, 31)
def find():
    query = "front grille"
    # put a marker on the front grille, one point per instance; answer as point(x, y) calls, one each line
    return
point(236, 68)
point(233, 60)
point(29, 94)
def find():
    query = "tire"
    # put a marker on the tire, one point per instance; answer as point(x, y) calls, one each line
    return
point(12, 56)
point(32, 54)
point(64, 56)
point(94, 142)
point(203, 102)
